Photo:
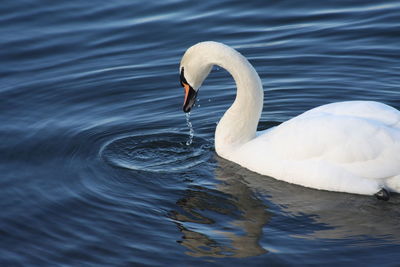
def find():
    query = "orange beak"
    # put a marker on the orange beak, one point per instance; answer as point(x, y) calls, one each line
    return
point(190, 97)
point(186, 87)
point(190, 93)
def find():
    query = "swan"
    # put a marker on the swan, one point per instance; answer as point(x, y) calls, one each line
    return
point(351, 146)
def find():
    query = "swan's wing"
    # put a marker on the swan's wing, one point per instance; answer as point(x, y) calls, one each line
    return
point(363, 147)
point(350, 139)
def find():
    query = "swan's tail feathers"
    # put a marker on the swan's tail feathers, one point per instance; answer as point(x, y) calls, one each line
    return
point(393, 184)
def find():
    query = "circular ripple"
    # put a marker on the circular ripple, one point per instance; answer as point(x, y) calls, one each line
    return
point(156, 152)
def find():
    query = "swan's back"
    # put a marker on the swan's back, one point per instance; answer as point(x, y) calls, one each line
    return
point(369, 110)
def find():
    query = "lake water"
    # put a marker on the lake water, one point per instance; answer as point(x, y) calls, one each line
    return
point(95, 170)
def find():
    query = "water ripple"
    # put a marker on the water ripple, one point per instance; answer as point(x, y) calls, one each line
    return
point(156, 152)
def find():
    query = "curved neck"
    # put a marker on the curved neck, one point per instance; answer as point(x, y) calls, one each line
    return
point(239, 123)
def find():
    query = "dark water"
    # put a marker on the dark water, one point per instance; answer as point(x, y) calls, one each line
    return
point(94, 166)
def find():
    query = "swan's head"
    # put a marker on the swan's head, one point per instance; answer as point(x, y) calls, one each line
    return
point(193, 70)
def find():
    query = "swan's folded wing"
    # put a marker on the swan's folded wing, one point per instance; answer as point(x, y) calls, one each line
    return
point(361, 147)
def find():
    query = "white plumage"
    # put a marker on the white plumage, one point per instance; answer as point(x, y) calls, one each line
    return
point(349, 146)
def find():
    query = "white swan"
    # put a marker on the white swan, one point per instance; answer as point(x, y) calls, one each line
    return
point(349, 147)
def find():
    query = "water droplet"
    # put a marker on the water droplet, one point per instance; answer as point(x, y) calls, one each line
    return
point(191, 131)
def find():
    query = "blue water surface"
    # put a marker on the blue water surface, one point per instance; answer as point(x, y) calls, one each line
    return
point(95, 170)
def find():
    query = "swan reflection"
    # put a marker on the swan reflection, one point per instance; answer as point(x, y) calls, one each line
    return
point(222, 222)
point(234, 219)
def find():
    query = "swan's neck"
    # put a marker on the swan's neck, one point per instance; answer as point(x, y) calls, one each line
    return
point(239, 123)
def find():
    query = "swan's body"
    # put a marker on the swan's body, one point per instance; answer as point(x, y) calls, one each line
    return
point(349, 147)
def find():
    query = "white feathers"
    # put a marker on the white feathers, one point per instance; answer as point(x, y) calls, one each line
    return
point(347, 146)
point(333, 147)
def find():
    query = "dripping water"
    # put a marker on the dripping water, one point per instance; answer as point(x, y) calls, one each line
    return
point(191, 131)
